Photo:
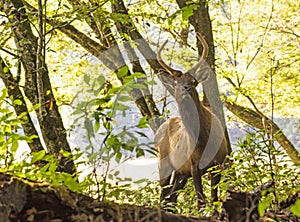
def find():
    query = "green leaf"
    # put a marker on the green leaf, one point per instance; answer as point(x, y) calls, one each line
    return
point(70, 182)
point(141, 134)
point(65, 153)
point(112, 140)
point(121, 107)
point(88, 125)
point(110, 176)
point(36, 106)
point(295, 209)
point(118, 157)
point(143, 122)
point(101, 101)
point(86, 79)
point(138, 86)
point(173, 16)
point(97, 124)
point(18, 102)
point(38, 156)
point(14, 146)
point(124, 98)
point(122, 72)
point(138, 75)
point(3, 95)
point(140, 181)
point(92, 157)
point(264, 204)
point(151, 82)
point(77, 112)
point(113, 90)
point(5, 69)
point(101, 79)
point(140, 152)
point(188, 11)
point(52, 168)
point(134, 75)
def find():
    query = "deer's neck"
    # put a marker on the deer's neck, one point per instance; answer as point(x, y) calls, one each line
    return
point(195, 118)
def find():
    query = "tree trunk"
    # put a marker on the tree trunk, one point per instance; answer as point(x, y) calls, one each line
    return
point(50, 121)
point(262, 122)
point(200, 20)
point(15, 93)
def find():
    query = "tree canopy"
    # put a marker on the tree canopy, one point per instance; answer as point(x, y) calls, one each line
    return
point(87, 70)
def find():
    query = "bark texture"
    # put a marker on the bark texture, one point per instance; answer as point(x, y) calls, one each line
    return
point(22, 201)
point(201, 22)
point(13, 88)
point(37, 87)
point(260, 121)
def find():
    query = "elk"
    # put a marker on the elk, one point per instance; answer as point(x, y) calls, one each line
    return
point(194, 142)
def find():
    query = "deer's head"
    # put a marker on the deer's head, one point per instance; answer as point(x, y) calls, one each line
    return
point(186, 83)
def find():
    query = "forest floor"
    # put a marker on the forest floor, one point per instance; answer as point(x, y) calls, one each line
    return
point(22, 200)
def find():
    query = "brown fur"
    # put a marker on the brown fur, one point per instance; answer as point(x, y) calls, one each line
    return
point(190, 144)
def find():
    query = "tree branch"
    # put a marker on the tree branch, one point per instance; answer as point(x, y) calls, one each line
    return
point(15, 93)
point(50, 121)
point(260, 121)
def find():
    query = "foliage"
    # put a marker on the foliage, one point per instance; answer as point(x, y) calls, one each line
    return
point(253, 164)
point(107, 140)
point(295, 209)
point(257, 46)
point(141, 193)
point(99, 113)
point(41, 167)
point(256, 162)
point(9, 128)
point(36, 166)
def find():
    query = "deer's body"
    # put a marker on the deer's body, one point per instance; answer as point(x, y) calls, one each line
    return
point(190, 144)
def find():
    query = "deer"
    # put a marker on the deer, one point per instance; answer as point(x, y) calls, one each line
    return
point(192, 143)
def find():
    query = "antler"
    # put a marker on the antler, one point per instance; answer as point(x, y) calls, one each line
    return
point(192, 71)
point(161, 61)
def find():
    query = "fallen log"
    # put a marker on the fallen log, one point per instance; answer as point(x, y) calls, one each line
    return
point(22, 200)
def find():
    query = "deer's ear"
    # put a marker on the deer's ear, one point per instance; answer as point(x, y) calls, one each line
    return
point(203, 74)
